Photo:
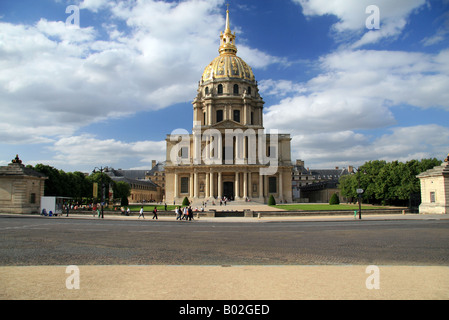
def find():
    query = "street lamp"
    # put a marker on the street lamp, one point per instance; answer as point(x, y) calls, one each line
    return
point(360, 191)
point(101, 170)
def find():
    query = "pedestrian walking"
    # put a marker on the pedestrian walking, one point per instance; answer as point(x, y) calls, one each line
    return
point(178, 213)
point(67, 210)
point(155, 213)
point(141, 213)
point(190, 214)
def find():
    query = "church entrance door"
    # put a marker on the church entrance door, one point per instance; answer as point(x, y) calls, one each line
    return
point(228, 190)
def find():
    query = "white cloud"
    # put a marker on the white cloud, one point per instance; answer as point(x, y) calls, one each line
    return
point(94, 5)
point(84, 150)
point(359, 90)
point(352, 17)
point(60, 77)
point(327, 150)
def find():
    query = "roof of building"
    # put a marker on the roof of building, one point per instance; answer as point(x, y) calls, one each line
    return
point(436, 171)
point(321, 172)
point(146, 183)
point(16, 168)
point(132, 176)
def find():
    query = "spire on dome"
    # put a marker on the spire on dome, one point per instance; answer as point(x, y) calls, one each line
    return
point(228, 25)
point(227, 45)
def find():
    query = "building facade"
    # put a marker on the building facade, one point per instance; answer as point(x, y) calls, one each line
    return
point(21, 188)
point(316, 185)
point(229, 153)
point(435, 189)
point(143, 189)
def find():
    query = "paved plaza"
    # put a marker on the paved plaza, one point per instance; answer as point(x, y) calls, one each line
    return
point(229, 282)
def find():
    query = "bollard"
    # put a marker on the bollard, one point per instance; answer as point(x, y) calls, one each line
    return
point(258, 215)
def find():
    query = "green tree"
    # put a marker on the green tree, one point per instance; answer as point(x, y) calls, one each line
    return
point(185, 202)
point(102, 179)
point(348, 187)
point(271, 201)
point(122, 191)
point(54, 185)
point(334, 200)
point(387, 183)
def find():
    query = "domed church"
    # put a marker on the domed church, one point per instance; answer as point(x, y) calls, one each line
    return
point(229, 155)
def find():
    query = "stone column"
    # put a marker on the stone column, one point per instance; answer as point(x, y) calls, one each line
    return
point(176, 182)
point(245, 185)
point(237, 185)
point(191, 185)
point(220, 184)
point(212, 184)
point(195, 185)
point(207, 186)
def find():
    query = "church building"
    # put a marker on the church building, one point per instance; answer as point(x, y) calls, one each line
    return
point(229, 154)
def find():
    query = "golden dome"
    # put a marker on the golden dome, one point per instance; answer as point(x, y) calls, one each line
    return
point(228, 64)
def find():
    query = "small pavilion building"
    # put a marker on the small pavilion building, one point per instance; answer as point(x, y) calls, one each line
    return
point(21, 188)
point(435, 190)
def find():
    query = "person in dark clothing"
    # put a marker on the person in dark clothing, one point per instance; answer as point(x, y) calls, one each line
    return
point(190, 216)
point(155, 213)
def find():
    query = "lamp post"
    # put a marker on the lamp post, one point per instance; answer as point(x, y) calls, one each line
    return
point(360, 191)
point(101, 170)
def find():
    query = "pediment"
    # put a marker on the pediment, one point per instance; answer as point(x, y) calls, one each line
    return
point(229, 124)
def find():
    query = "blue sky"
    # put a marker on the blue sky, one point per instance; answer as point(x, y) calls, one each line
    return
point(108, 92)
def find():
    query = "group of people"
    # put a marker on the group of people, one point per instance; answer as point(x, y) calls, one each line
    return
point(185, 213)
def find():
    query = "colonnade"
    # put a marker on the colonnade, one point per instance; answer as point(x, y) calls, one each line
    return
point(210, 184)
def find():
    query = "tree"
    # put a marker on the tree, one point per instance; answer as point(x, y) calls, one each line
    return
point(386, 183)
point(101, 178)
point(185, 202)
point(271, 201)
point(334, 200)
point(122, 191)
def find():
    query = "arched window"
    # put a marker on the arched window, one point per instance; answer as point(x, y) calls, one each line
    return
point(220, 89)
point(236, 89)
point(206, 91)
point(249, 90)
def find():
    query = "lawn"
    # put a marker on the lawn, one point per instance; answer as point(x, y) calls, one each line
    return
point(325, 207)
